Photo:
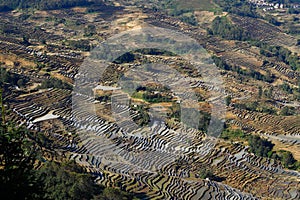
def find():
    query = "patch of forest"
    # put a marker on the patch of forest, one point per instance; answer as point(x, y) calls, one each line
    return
point(7, 5)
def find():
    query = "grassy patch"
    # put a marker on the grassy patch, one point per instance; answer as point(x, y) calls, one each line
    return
point(137, 95)
point(231, 134)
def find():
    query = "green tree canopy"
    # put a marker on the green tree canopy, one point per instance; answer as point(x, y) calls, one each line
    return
point(260, 146)
point(66, 181)
point(17, 158)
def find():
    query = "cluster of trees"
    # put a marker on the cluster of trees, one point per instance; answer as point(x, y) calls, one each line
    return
point(17, 157)
point(295, 91)
point(54, 83)
point(6, 5)
point(174, 9)
point(255, 74)
point(255, 106)
point(294, 29)
point(5, 8)
point(251, 106)
point(194, 117)
point(153, 51)
point(293, 10)
point(65, 181)
point(20, 180)
point(175, 111)
point(90, 30)
point(250, 73)
point(68, 180)
point(264, 148)
point(287, 111)
point(223, 27)
point(242, 8)
point(228, 100)
point(178, 11)
point(204, 173)
point(287, 88)
point(143, 118)
point(204, 121)
point(9, 29)
point(284, 1)
point(153, 94)
point(200, 97)
point(153, 97)
point(281, 53)
point(260, 146)
point(125, 58)
point(103, 98)
point(286, 158)
point(221, 63)
point(272, 20)
point(268, 92)
point(100, 7)
point(83, 45)
point(190, 19)
point(7, 77)
point(21, 153)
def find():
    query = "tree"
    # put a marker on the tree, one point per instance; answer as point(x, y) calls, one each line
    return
point(21, 82)
point(19, 179)
point(25, 41)
point(189, 19)
point(228, 100)
point(6, 5)
point(125, 58)
point(260, 91)
point(204, 120)
point(7, 77)
point(17, 157)
point(287, 158)
point(90, 30)
point(83, 45)
point(286, 111)
point(66, 181)
point(220, 63)
point(287, 88)
point(242, 8)
point(268, 93)
point(54, 83)
point(260, 146)
point(272, 20)
point(44, 41)
point(114, 194)
point(143, 118)
point(205, 173)
point(223, 27)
